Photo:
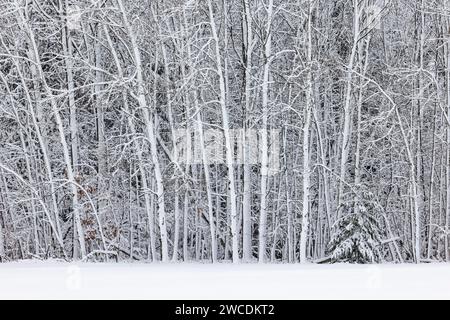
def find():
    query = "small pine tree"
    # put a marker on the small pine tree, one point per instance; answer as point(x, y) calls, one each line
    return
point(356, 237)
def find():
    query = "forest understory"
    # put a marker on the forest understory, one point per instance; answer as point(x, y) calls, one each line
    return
point(271, 131)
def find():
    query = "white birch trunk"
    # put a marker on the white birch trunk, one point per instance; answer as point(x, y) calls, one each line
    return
point(306, 150)
point(447, 211)
point(264, 137)
point(68, 54)
point(246, 210)
point(415, 197)
point(346, 135)
point(228, 141)
point(151, 136)
point(2, 237)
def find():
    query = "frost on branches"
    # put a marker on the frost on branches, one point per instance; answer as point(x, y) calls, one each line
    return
point(225, 130)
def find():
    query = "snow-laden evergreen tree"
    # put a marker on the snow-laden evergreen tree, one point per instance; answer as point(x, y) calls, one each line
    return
point(356, 235)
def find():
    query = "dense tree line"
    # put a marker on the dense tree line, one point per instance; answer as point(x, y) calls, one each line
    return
point(346, 104)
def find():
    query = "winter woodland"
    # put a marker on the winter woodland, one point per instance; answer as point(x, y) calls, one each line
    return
point(287, 131)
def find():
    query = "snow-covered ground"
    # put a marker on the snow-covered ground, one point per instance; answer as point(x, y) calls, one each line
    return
point(54, 280)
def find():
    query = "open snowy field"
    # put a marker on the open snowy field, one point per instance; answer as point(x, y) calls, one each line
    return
point(54, 280)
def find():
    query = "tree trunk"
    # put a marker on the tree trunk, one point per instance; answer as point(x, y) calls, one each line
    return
point(306, 148)
point(264, 137)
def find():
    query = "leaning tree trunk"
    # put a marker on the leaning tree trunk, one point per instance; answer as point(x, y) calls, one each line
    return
point(151, 136)
point(65, 147)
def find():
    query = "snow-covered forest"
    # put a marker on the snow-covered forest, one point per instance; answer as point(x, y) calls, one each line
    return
point(225, 130)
